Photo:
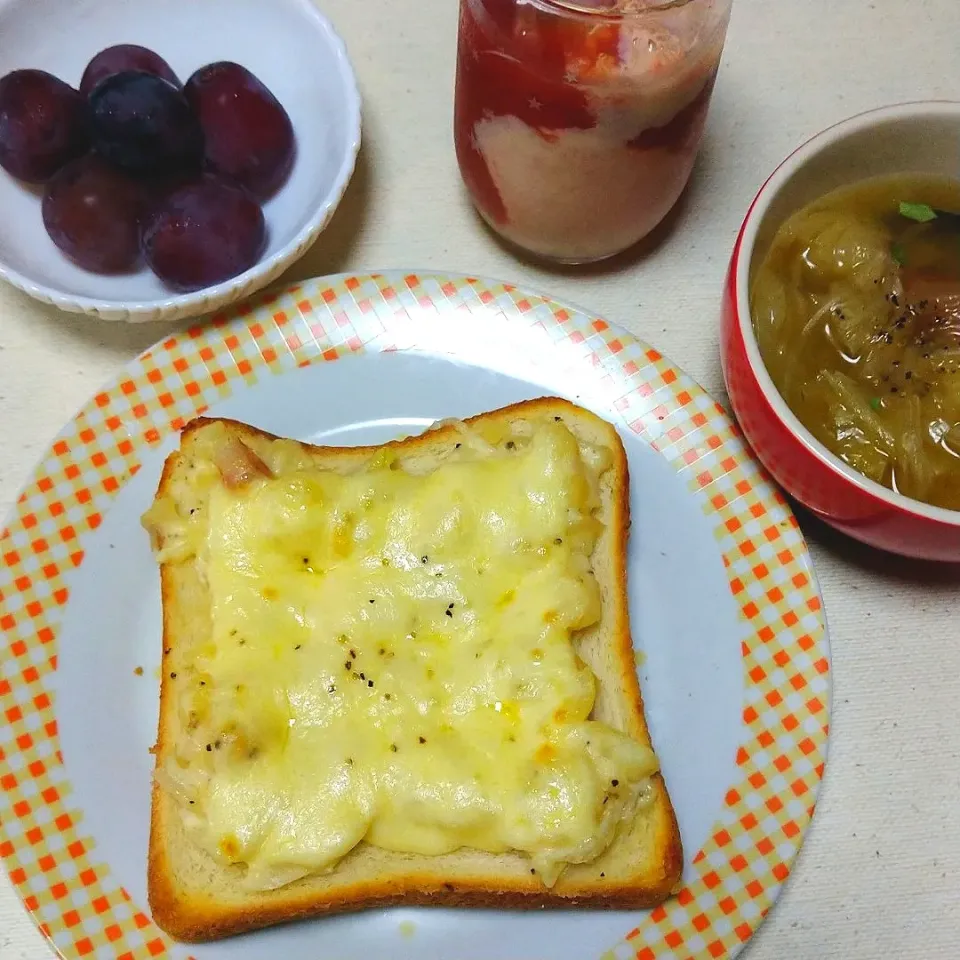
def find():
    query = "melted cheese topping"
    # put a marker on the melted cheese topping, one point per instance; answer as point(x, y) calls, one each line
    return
point(390, 661)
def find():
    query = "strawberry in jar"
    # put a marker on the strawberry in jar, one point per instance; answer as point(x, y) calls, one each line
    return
point(577, 123)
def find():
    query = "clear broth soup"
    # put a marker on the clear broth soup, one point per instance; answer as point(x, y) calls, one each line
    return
point(856, 308)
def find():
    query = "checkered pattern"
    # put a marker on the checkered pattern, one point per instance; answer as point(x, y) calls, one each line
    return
point(740, 870)
point(738, 873)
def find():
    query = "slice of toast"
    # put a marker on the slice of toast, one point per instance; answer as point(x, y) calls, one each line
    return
point(194, 897)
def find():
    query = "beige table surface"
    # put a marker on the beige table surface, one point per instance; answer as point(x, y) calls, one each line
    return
point(880, 873)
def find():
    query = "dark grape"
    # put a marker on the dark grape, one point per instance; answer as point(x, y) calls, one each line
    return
point(144, 124)
point(92, 213)
point(247, 133)
point(204, 233)
point(158, 188)
point(121, 58)
point(43, 124)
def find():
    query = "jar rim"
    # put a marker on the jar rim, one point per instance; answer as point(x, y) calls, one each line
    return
point(580, 8)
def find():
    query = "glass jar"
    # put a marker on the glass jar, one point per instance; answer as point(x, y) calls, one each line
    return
point(577, 123)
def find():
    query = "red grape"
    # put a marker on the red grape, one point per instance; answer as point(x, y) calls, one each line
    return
point(204, 233)
point(247, 133)
point(92, 213)
point(43, 124)
point(144, 124)
point(123, 57)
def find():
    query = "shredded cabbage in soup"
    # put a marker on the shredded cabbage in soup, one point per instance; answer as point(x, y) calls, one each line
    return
point(856, 307)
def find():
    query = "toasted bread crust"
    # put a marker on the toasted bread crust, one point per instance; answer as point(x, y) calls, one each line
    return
point(193, 915)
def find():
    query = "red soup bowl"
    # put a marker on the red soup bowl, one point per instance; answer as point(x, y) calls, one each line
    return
point(907, 138)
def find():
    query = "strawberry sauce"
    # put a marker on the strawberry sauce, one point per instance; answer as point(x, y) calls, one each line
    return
point(576, 133)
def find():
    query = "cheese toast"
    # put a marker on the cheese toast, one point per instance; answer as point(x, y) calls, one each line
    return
point(359, 647)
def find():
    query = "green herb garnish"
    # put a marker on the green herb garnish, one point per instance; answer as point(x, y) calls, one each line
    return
point(875, 403)
point(899, 254)
point(921, 212)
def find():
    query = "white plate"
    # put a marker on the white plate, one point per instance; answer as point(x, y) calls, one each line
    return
point(724, 607)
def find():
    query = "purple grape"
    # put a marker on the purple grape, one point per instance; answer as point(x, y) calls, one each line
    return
point(204, 233)
point(120, 59)
point(247, 133)
point(43, 124)
point(92, 212)
point(144, 124)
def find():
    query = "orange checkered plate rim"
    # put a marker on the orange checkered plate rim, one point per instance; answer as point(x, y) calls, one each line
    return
point(777, 653)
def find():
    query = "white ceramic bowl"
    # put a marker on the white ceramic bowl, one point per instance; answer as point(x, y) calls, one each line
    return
point(288, 44)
